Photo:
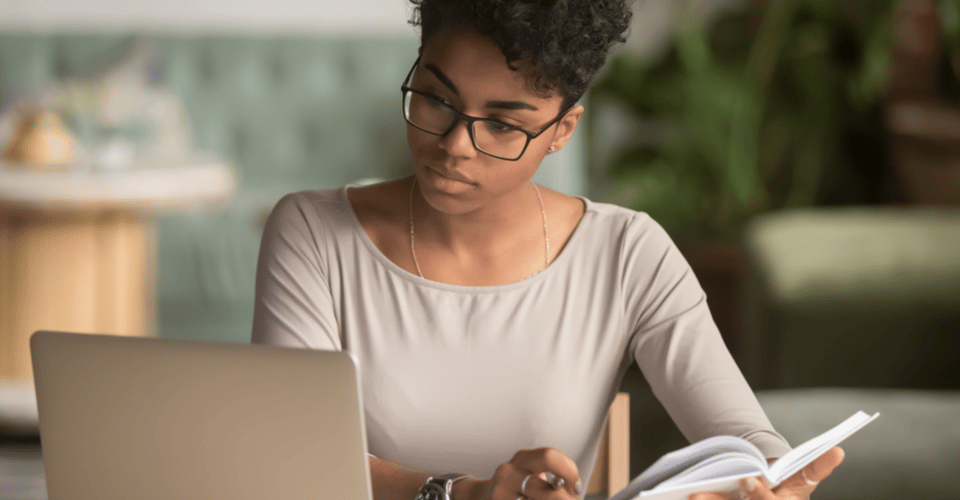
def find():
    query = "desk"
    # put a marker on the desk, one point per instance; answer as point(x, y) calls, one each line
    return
point(77, 250)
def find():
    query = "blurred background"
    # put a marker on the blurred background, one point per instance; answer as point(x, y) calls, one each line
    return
point(803, 154)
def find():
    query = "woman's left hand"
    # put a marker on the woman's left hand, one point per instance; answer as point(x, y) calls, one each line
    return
point(796, 487)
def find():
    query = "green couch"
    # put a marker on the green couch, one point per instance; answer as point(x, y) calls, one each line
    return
point(858, 308)
point(289, 112)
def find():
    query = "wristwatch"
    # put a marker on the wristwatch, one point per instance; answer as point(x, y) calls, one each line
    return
point(438, 488)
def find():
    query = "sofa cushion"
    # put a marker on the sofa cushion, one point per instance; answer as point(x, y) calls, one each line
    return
point(856, 296)
point(911, 451)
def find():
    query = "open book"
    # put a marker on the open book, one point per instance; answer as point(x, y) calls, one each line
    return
point(719, 463)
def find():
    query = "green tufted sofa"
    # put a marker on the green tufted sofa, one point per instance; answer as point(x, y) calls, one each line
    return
point(858, 308)
point(291, 112)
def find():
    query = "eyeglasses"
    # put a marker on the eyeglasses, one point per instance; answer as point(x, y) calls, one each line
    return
point(431, 114)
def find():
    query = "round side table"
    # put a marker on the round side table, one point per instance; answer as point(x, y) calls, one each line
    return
point(77, 249)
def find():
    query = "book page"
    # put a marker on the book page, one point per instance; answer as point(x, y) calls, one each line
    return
point(678, 461)
point(807, 452)
point(725, 487)
point(718, 466)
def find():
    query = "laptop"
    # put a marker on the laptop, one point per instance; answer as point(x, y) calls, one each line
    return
point(125, 418)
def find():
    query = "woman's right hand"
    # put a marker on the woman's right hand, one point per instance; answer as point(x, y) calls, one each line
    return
point(507, 482)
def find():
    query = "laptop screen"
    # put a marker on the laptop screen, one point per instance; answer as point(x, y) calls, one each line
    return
point(133, 417)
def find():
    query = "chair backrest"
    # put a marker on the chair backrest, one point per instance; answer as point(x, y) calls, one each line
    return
point(612, 470)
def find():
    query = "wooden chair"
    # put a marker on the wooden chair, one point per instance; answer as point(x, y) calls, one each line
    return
point(612, 470)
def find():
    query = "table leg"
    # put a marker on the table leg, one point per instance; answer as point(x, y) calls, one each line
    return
point(78, 272)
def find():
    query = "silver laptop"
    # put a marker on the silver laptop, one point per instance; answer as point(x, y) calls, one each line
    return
point(125, 418)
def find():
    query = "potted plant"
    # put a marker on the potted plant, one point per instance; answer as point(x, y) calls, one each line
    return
point(765, 109)
point(774, 106)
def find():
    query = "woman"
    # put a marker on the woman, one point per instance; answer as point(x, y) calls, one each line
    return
point(493, 319)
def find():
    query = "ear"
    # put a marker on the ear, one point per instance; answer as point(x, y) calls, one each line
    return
point(566, 126)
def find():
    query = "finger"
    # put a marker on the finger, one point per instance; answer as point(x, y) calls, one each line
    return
point(510, 482)
point(750, 488)
point(824, 465)
point(805, 480)
point(556, 481)
point(705, 495)
point(754, 489)
point(553, 461)
point(538, 489)
point(506, 481)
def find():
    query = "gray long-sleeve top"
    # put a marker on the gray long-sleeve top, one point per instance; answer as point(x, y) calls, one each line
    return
point(458, 378)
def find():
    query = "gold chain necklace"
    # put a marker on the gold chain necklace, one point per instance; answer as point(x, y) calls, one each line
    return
point(543, 214)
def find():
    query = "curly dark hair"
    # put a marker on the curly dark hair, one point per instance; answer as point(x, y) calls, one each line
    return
point(563, 43)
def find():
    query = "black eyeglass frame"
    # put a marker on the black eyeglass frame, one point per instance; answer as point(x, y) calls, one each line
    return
point(470, 120)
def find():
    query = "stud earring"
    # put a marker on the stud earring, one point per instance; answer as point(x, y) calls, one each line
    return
point(552, 149)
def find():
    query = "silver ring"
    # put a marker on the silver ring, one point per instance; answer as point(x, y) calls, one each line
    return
point(523, 485)
point(557, 482)
point(803, 474)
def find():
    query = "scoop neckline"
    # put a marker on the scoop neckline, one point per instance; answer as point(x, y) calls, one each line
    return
point(402, 273)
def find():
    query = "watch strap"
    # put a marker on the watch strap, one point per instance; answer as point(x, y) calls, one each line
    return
point(444, 482)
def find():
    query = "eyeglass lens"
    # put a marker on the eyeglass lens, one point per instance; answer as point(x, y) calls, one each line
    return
point(491, 137)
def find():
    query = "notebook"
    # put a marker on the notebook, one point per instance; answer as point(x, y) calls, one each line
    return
point(125, 418)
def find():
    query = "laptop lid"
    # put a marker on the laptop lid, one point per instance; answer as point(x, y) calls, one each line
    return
point(125, 418)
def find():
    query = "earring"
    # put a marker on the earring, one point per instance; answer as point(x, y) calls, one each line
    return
point(552, 149)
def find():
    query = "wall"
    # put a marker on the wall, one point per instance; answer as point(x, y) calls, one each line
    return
point(368, 16)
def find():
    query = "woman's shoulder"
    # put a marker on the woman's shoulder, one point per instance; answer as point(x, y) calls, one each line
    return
point(308, 203)
point(616, 219)
point(378, 202)
point(313, 211)
point(366, 201)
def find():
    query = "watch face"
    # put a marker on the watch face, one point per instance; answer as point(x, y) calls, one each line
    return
point(431, 491)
